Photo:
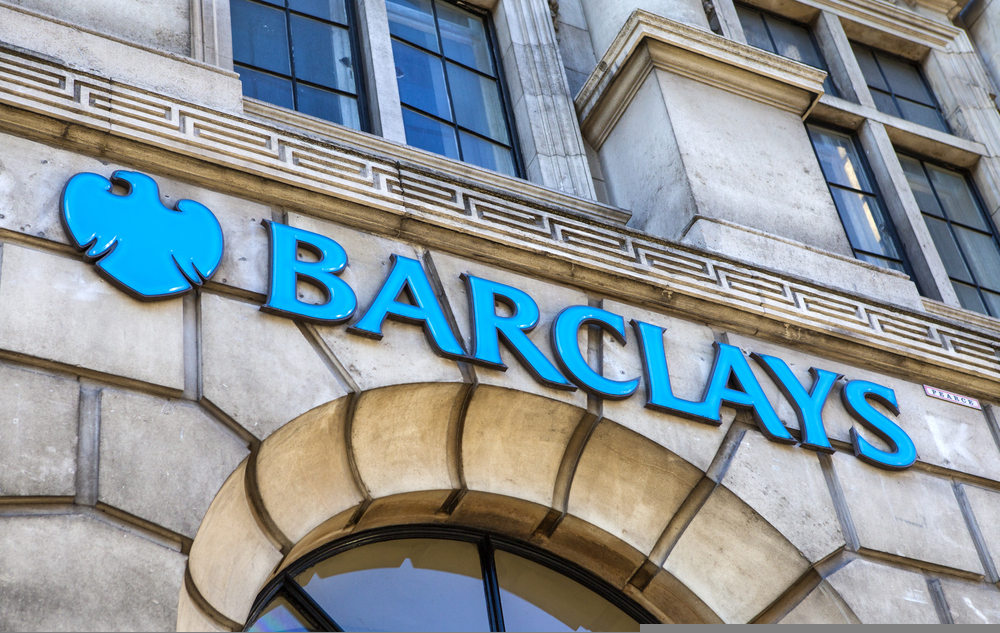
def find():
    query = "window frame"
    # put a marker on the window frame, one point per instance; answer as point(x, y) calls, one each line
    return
point(353, 27)
point(487, 543)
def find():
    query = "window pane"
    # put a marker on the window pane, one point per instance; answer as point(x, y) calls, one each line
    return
point(959, 204)
point(948, 249)
point(403, 585)
point(753, 28)
point(982, 254)
point(536, 598)
point(839, 159)
point(485, 154)
point(919, 185)
point(269, 88)
point(793, 42)
point(328, 105)
point(413, 21)
point(992, 302)
point(922, 115)
point(477, 103)
point(428, 134)
point(280, 616)
point(880, 261)
point(969, 298)
point(464, 38)
point(322, 54)
point(884, 103)
point(333, 10)
point(904, 80)
point(260, 36)
point(421, 80)
point(866, 223)
point(868, 68)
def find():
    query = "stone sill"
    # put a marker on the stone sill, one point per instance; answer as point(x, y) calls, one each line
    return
point(988, 325)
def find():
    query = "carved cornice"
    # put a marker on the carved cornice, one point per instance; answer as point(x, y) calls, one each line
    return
point(888, 17)
point(248, 157)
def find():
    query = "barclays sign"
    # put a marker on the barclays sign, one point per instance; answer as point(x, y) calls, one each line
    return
point(153, 252)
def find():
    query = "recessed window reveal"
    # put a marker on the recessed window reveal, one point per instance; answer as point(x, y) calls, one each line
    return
point(407, 295)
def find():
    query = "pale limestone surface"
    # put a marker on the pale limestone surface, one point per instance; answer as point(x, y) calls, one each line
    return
point(986, 508)
point(689, 353)
point(551, 300)
point(190, 618)
point(38, 433)
point(163, 460)
point(65, 572)
point(404, 354)
point(629, 485)
point(821, 606)
point(760, 564)
point(238, 343)
point(907, 513)
point(607, 18)
point(785, 485)
point(972, 603)
point(879, 594)
point(109, 331)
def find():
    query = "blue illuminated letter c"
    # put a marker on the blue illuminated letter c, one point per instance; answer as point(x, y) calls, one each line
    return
point(567, 348)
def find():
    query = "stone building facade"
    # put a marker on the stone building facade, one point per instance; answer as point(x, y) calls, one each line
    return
point(668, 163)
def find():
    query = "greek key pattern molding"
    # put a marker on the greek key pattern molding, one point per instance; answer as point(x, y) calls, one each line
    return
point(256, 147)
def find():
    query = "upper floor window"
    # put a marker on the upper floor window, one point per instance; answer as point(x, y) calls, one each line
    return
point(781, 37)
point(963, 234)
point(898, 88)
point(300, 54)
point(449, 84)
point(869, 228)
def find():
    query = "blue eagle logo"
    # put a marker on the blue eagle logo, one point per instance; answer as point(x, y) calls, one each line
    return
point(139, 245)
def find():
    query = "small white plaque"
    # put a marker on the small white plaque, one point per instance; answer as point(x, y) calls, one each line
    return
point(941, 394)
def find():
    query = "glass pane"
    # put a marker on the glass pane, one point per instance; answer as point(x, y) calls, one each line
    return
point(793, 42)
point(880, 261)
point(866, 223)
point(269, 88)
point(922, 115)
point(884, 103)
point(421, 80)
point(536, 598)
point(919, 185)
point(428, 134)
point(485, 154)
point(956, 196)
point(947, 248)
point(322, 54)
point(329, 105)
point(868, 68)
point(477, 103)
point(403, 585)
point(333, 10)
point(969, 298)
point(464, 38)
point(904, 79)
point(839, 159)
point(280, 616)
point(992, 302)
point(982, 254)
point(413, 21)
point(260, 36)
point(753, 27)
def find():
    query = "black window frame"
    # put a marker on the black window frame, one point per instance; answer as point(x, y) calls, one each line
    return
point(360, 75)
point(892, 94)
point(499, 76)
point(978, 199)
point(284, 584)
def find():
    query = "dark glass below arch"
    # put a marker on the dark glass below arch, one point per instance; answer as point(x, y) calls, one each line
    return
point(439, 579)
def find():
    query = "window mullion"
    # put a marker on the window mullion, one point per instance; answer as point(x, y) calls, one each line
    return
point(447, 81)
point(309, 607)
point(491, 585)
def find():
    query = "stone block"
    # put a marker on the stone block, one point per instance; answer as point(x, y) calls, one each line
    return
point(38, 433)
point(402, 437)
point(629, 485)
point(190, 618)
point(374, 363)
point(690, 355)
point(593, 549)
point(972, 602)
point(231, 558)
point(879, 594)
point(986, 508)
point(908, 513)
point(551, 300)
point(607, 18)
point(821, 606)
point(303, 473)
point(577, 50)
point(56, 308)
point(260, 369)
point(66, 572)
point(163, 460)
point(733, 559)
point(786, 486)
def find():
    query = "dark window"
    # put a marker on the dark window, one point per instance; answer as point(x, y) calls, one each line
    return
point(418, 578)
point(300, 54)
point(869, 228)
point(450, 85)
point(963, 234)
point(781, 37)
point(898, 88)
